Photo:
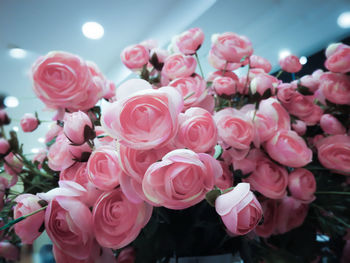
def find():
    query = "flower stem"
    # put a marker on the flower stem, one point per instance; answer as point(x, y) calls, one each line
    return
point(279, 73)
point(199, 64)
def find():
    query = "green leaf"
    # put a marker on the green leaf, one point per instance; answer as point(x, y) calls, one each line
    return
point(218, 151)
point(144, 73)
point(212, 195)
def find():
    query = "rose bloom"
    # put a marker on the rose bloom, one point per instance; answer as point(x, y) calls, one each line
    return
point(135, 56)
point(190, 41)
point(286, 93)
point(290, 64)
point(181, 179)
point(299, 127)
point(270, 209)
point(334, 153)
point(53, 132)
point(289, 149)
point(231, 47)
point(225, 85)
point(339, 60)
point(260, 62)
point(4, 146)
point(331, 125)
point(291, 214)
point(197, 130)
point(309, 81)
point(226, 180)
point(29, 122)
point(219, 73)
point(145, 120)
point(179, 66)
point(28, 229)
point(239, 209)
point(117, 221)
point(4, 118)
point(221, 64)
point(262, 82)
point(76, 125)
point(335, 87)
point(302, 185)
point(68, 223)
point(63, 80)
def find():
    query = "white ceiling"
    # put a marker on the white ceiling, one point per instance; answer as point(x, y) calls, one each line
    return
point(39, 26)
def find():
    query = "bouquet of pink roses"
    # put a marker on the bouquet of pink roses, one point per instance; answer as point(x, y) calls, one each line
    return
point(178, 164)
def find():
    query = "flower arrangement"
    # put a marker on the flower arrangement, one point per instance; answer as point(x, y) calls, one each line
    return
point(178, 164)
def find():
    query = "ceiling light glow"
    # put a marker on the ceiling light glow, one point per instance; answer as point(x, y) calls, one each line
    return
point(344, 20)
point(303, 60)
point(17, 53)
point(35, 150)
point(93, 30)
point(284, 53)
point(11, 102)
point(15, 128)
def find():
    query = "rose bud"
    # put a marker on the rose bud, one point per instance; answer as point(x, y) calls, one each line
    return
point(290, 64)
point(29, 122)
point(4, 146)
point(178, 66)
point(331, 125)
point(260, 62)
point(225, 85)
point(302, 185)
point(189, 41)
point(299, 127)
point(13, 166)
point(335, 87)
point(78, 127)
point(30, 228)
point(338, 58)
point(239, 209)
point(263, 82)
point(221, 64)
point(9, 251)
point(135, 56)
point(4, 118)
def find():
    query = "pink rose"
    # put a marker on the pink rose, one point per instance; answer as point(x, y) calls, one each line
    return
point(197, 130)
point(208, 103)
point(4, 146)
point(289, 149)
point(53, 132)
point(117, 221)
point(39, 158)
point(335, 87)
point(13, 166)
point(103, 168)
point(309, 81)
point(302, 185)
point(9, 251)
point(179, 66)
point(127, 255)
point(135, 56)
point(286, 93)
point(221, 64)
point(339, 60)
point(145, 120)
point(270, 209)
point(225, 181)
point(299, 127)
point(219, 73)
point(4, 118)
point(231, 47)
point(263, 82)
point(78, 127)
point(28, 229)
point(181, 179)
point(61, 257)
point(225, 85)
point(291, 214)
point(239, 209)
point(63, 80)
point(68, 223)
point(290, 64)
point(102, 137)
point(190, 41)
point(29, 122)
point(260, 62)
point(331, 125)
point(334, 153)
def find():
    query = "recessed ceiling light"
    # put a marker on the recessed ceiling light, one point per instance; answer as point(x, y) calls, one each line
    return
point(344, 20)
point(41, 140)
point(284, 53)
point(15, 128)
point(17, 53)
point(11, 101)
point(303, 60)
point(93, 30)
point(35, 150)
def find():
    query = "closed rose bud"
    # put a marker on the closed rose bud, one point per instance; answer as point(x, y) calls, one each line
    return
point(335, 87)
point(29, 122)
point(135, 56)
point(4, 146)
point(290, 64)
point(78, 127)
point(302, 185)
point(263, 82)
point(260, 62)
point(331, 125)
point(178, 66)
point(338, 58)
point(4, 118)
point(225, 85)
point(299, 127)
point(189, 41)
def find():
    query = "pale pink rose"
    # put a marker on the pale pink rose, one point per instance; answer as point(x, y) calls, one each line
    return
point(239, 209)
point(28, 229)
point(291, 214)
point(225, 85)
point(13, 166)
point(192, 88)
point(117, 221)
point(289, 149)
point(39, 158)
point(132, 188)
point(335, 87)
point(181, 179)
point(190, 41)
point(131, 86)
point(104, 168)
point(29, 122)
point(145, 120)
point(268, 178)
point(78, 127)
point(179, 66)
point(331, 125)
point(260, 62)
point(197, 130)
point(127, 255)
point(4, 146)
point(231, 47)
point(299, 127)
point(270, 209)
point(334, 47)
point(290, 64)
point(309, 81)
point(302, 185)
point(339, 60)
point(226, 180)
point(53, 132)
point(9, 251)
point(219, 73)
point(334, 153)
point(68, 223)
point(135, 56)
point(221, 64)
point(150, 43)
point(63, 80)
point(4, 118)
point(263, 82)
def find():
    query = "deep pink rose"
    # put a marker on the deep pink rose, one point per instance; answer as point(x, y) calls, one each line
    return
point(291, 214)
point(4, 146)
point(104, 168)
point(339, 60)
point(197, 130)
point(334, 153)
point(331, 125)
point(28, 229)
point(225, 85)
point(335, 87)
point(270, 210)
point(181, 179)
point(221, 64)
point(302, 185)
point(78, 127)
point(127, 255)
point(290, 64)
point(29, 122)
point(68, 223)
point(144, 120)
point(299, 127)
point(239, 209)
point(289, 149)
point(135, 56)
point(63, 80)
point(225, 181)
point(179, 66)
point(231, 47)
point(9, 251)
point(4, 118)
point(260, 62)
point(117, 221)
point(189, 41)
